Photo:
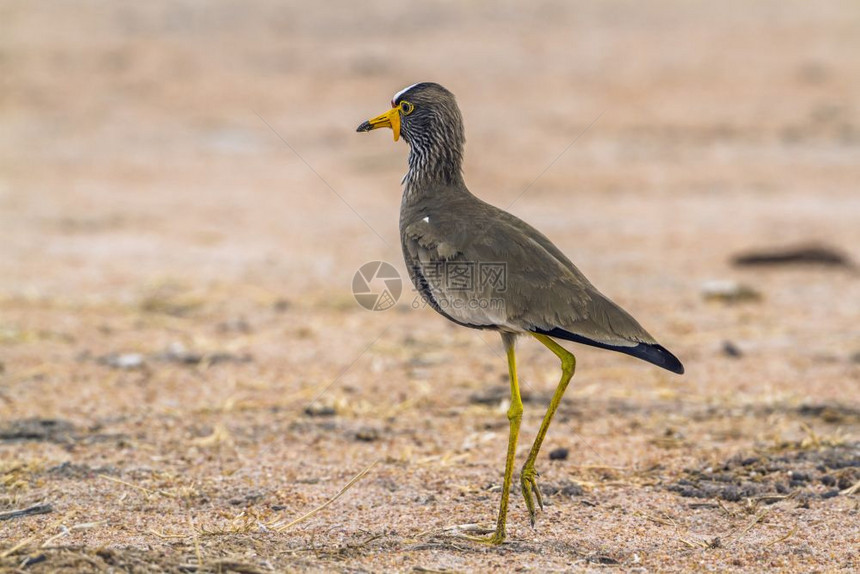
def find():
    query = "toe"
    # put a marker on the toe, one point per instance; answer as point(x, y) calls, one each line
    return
point(538, 495)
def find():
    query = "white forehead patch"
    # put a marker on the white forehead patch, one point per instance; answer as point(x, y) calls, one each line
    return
point(401, 92)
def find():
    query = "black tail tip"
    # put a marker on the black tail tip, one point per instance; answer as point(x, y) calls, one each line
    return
point(660, 356)
point(651, 352)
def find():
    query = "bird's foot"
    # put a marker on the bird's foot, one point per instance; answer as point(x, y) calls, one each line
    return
point(528, 481)
point(494, 539)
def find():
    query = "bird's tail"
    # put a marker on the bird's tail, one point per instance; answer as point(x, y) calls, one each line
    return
point(651, 352)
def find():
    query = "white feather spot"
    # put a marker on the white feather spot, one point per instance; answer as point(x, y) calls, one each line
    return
point(401, 92)
point(427, 219)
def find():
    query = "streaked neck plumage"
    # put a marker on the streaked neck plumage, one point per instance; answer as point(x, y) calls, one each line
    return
point(435, 160)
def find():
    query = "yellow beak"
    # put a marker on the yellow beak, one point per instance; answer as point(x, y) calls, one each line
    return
point(390, 119)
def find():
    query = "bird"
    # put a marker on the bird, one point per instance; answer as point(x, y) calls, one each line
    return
point(483, 268)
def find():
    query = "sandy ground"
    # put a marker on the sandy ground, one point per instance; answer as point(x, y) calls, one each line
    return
point(184, 202)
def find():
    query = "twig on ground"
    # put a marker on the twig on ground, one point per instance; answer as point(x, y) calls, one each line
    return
point(37, 509)
point(30, 539)
point(224, 565)
point(776, 497)
point(659, 520)
point(758, 518)
point(456, 528)
point(196, 542)
point(694, 544)
point(725, 509)
point(146, 491)
point(164, 536)
point(783, 538)
point(282, 527)
point(341, 550)
point(66, 531)
point(851, 489)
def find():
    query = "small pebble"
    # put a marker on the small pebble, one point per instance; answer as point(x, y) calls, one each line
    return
point(318, 410)
point(367, 435)
point(799, 476)
point(123, 360)
point(731, 350)
point(844, 483)
point(559, 454)
point(728, 291)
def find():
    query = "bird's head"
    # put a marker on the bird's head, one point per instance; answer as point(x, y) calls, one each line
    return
point(424, 112)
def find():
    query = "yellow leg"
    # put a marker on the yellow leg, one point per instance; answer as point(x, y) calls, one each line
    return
point(515, 416)
point(528, 476)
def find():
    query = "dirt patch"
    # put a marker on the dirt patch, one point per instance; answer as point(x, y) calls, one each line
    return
point(36, 429)
point(184, 203)
point(72, 559)
point(55, 431)
point(770, 477)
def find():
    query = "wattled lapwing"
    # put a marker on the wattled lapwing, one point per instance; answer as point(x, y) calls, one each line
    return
point(483, 268)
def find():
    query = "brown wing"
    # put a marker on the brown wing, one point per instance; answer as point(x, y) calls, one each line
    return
point(542, 290)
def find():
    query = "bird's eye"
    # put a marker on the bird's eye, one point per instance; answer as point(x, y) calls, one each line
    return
point(406, 107)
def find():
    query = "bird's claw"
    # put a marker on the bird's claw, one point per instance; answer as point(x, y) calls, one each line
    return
point(493, 539)
point(528, 482)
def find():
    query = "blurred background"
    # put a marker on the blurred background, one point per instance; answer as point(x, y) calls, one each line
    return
point(136, 139)
point(184, 202)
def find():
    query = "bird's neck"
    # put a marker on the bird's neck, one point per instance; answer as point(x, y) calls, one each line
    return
point(432, 165)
